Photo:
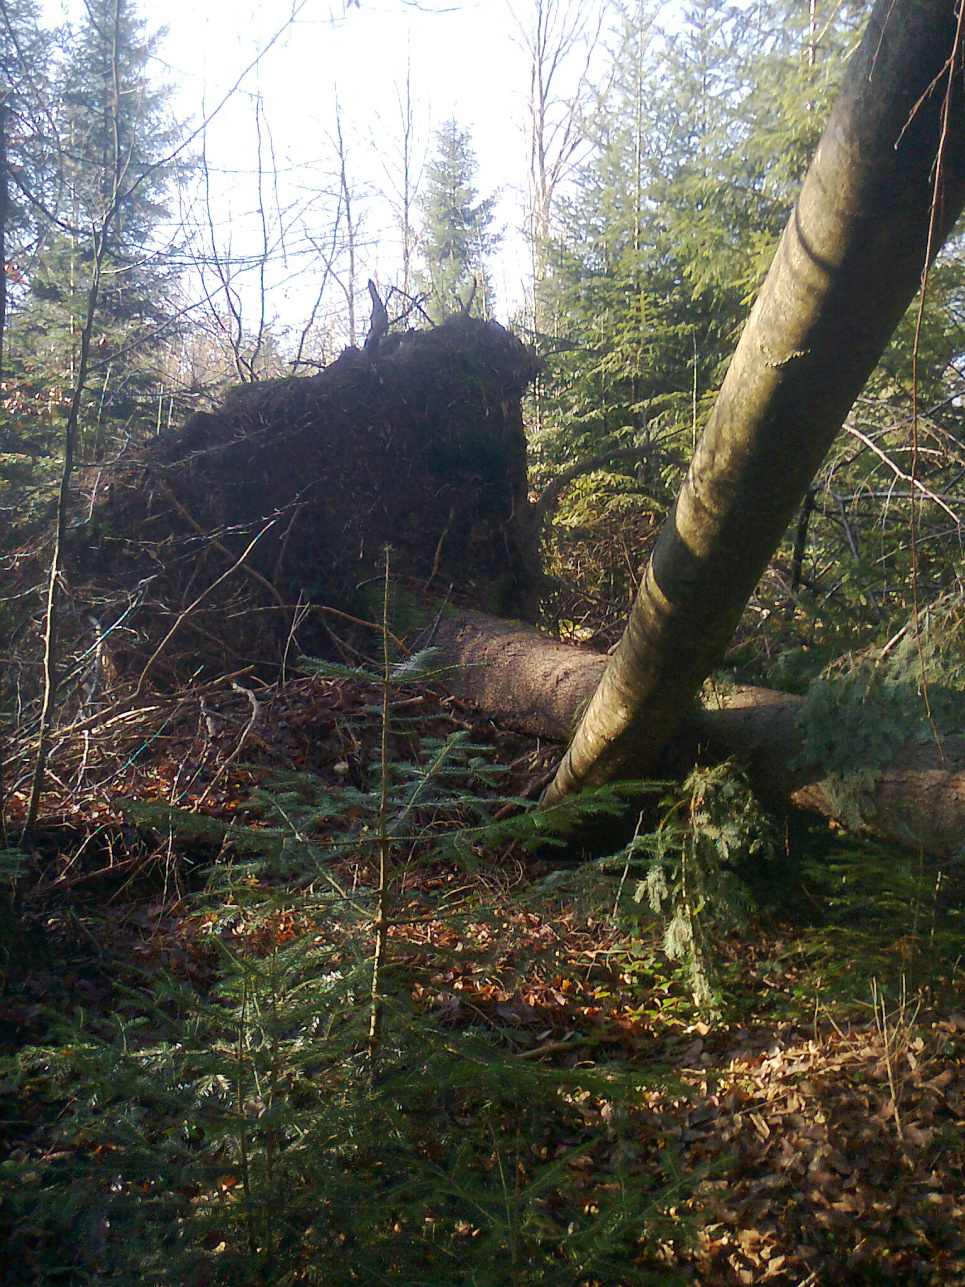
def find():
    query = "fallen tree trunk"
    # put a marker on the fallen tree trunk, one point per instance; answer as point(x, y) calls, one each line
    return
point(883, 191)
point(249, 519)
point(528, 681)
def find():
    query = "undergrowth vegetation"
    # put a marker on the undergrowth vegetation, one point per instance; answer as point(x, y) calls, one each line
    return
point(865, 707)
point(299, 983)
point(384, 1021)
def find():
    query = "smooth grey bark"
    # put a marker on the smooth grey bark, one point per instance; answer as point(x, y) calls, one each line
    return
point(848, 265)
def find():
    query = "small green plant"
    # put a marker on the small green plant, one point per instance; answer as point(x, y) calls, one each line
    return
point(867, 707)
point(306, 1117)
point(238, 1138)
point(715, 824)
point(684, 871)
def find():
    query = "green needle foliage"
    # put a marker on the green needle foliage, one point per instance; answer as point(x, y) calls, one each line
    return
point(457, 237)
point(685, 872)
point(866, 707)
point(265, 1129)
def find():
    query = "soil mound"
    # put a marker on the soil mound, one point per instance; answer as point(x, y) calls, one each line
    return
point(416, 442)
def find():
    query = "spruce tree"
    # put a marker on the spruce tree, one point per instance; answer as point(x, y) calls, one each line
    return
point(457, 234)
point(24, 57)
point(620, 331)
point(106, 180)
point(698, 149)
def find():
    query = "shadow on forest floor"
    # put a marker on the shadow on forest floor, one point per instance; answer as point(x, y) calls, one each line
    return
point(605, 1131)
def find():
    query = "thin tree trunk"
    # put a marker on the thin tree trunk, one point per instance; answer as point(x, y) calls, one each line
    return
point(111, 191)
point(351, 232)
point(4, 216)
point(801, 539)
point(51, 614)
point(848, 265)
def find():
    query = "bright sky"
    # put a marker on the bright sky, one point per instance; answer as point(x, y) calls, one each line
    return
point(464, 63)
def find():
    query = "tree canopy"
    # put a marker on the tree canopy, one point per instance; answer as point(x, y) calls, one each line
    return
point(458, 238)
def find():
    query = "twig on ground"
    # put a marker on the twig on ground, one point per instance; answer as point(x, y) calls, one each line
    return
point(253, 720)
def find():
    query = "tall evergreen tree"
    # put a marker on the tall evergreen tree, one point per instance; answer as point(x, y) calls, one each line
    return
point(105, 192)
point(698, 148)
point(457, 234)
point(24, 56)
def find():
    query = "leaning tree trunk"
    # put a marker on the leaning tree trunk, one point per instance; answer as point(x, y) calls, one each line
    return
point(870, 216)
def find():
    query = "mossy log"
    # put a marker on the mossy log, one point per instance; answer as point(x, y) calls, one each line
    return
point(538, 685)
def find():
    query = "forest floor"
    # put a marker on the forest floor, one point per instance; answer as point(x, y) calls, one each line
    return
point(812, 1132)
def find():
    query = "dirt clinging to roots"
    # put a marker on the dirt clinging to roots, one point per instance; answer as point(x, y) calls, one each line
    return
point(416, 442)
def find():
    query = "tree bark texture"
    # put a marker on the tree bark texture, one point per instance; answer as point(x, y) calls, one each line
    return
point(4, 216)
point(527, 681)
point(850, 261)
